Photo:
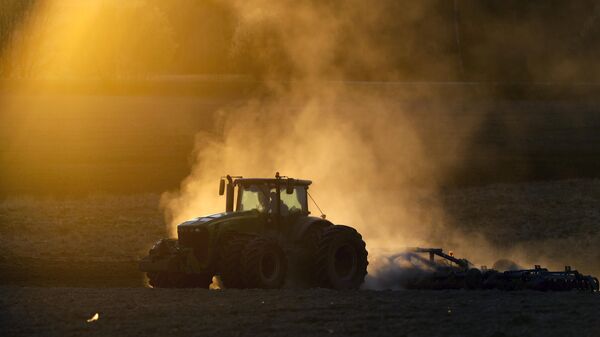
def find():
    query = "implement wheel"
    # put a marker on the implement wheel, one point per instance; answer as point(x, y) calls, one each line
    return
point(473, 279)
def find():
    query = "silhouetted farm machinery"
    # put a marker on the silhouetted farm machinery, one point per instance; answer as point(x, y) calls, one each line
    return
point(431, 268)
point(265, 230)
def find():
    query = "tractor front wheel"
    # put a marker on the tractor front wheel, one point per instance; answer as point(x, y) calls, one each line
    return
point(230, 259)
point(264, 264)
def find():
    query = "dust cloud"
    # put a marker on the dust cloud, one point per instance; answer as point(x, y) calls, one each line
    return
point(376, 157)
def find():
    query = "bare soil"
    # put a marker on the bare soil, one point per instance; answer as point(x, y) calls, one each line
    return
point(63, 260)
point(97, 240)
point(199, 312)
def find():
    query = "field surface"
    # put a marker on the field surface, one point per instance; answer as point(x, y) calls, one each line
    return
point(63, 260)
point(199, 312)
point(97, 240)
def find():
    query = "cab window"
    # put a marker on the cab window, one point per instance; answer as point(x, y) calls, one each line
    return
point(252, 197)
point(293, 203)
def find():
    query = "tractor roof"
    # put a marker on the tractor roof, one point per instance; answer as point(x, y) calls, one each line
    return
point(271, 181)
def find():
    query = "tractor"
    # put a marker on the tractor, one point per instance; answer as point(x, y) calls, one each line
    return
point(266, 238)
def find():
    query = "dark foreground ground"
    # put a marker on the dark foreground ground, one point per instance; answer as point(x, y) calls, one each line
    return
point(153, 312)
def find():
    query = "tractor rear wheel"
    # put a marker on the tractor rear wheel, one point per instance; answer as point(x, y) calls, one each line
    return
point(264, 264)
point(230, 260)
point(341, 258)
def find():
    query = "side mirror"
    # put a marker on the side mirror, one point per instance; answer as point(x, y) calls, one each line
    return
point(289, 188)
point(222, 187)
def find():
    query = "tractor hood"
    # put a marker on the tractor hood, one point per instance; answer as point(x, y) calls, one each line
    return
point(214, 219)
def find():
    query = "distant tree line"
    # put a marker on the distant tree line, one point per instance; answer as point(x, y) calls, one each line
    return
point(425, 40)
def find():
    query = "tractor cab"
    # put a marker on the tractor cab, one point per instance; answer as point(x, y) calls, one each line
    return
point(280, 197)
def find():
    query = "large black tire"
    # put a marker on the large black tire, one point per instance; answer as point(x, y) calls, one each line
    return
point(166, 248)
point(341, 258)
point(178, 280)
point(264, 264)
point(230, 259)
point(310, 239)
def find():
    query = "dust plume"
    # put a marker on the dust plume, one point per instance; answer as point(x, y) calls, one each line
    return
point(376, 155)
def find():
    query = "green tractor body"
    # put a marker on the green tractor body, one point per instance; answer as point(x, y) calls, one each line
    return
point(265, 238)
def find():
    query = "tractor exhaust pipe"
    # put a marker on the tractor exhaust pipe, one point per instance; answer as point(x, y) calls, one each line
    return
point(229, 195)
